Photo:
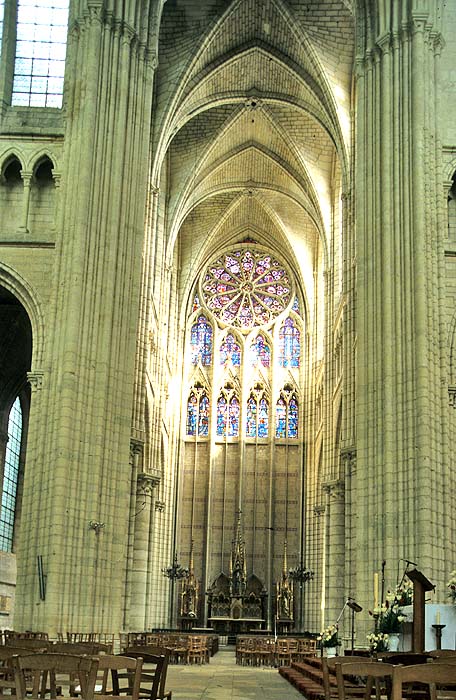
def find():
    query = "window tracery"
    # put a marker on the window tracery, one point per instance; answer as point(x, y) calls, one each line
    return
point(246, 288)
point(257, 416)
point(198, 414)
point(287, 415)
point(228, 414)
point(230, 351)
point(260, 352)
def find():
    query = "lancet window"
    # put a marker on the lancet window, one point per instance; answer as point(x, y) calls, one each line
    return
point(257, 416)
point(10, 477)
point(228, 415)
point(201, 342)
point(230, 351)
point(198, 414)
point(289, 344)
point(260, 352)
point(287, 416)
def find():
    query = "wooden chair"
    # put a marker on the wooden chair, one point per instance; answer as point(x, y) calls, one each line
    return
point(438, 676)
point(120, 677)
point(197, 650)
point(442, 654)
point(57, 671)
point(29, 643)
point(159, 657)
point(7, 679)
point(357, 678)
point(283, 652)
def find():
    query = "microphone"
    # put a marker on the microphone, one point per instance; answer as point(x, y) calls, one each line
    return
point(410, 562)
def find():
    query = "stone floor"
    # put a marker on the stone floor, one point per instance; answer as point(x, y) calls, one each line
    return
point(222, 679)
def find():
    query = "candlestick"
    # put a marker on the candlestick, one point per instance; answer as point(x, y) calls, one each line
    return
point(376, 590)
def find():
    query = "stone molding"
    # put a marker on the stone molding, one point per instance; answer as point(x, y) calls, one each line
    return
point(35, 379)
point(334, 489)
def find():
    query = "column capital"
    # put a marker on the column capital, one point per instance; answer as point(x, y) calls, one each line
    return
point(35, 379)
point(334, 488)
point(147, 483)
point(452, 396)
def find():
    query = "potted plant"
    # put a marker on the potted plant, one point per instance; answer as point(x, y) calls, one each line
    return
point(329, 640)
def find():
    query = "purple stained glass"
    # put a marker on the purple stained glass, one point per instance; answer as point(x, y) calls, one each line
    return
point(201, 342)
point(221, 416)
point(230, 351)
point(260, 352)
point(242, 288)
point(289, 344)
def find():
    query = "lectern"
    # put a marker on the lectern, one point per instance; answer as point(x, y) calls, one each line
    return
point(420, 586)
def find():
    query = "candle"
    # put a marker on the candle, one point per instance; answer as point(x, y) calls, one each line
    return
point(376, 590)
point(437, 617)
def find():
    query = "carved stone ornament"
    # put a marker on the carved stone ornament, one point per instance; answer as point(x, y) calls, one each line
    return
point(146, 484)
point(452, 396)
point(348, 460)
point(35, 379)
point(160, 506)
point(334, 489)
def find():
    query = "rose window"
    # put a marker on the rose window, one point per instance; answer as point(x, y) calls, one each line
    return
point(246, 288)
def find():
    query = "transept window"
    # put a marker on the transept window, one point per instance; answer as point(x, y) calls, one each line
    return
point(228, 414)
point(40, 53)
point(198, 415)
point(257, 417)
point(289, 344)
point(287, 417)
point(260, 352)
point(201, 342)
point(10, 477)
point(246, 288)
point(230, 351)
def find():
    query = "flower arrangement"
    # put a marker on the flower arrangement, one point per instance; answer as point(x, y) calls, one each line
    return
point(391, 618)
point(378, 642)
point(404, 593)
point(452, 586)
point(329, 637)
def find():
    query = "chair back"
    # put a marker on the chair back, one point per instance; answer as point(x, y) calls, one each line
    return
point(28, 643)
point(370, 670)
point(44, 669)
point(328, 664)
point(159, 657)
point(432, 674)
point(121, 676)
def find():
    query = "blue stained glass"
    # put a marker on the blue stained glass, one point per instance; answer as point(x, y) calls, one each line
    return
point(203, 417)
point(201, 342)
point(289, 344)
point(235, 411)
point(293, 418)
point(281, 418)
point(221, 416)
point(230, 350)
point(295, 306)
point(10, 477)
point(192, 409)
point(251, 418)
point(260, 352)
point(263, 419)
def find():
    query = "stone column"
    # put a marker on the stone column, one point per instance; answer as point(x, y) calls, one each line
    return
point(142, 564)
point(83, 435)
point(400, 406)
point(335, 545)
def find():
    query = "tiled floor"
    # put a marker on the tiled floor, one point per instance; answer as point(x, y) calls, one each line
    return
point(222, 679)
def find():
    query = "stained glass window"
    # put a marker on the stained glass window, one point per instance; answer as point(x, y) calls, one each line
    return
point(295, 306)
point(196, 303)
point(201, 342)
point(260, 352)
point(257, 418)
point(289, 344)
point(281, 418)
point(198, 415)
point(221, 416)
point(287, 418)
point(40, 53)
point(235, 410)
point(10, 477)
point(230, 350)
point(228, 413)
point(246, 288)
point(203, 417)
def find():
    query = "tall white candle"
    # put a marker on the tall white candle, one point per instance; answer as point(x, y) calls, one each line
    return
point(376, 589)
